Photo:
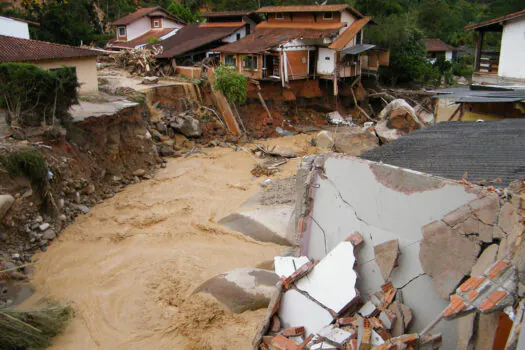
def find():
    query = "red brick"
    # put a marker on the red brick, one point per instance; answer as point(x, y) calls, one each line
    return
point(293, 331)
point(345, 321)
point(500, 265)
point(472, 295)
point(456, 305)
point(389, 294)
point(376, 323)
point(305, 342)
point(356, 239)
point(298, 274)
point(492, 300)
point(471, 283)
point(280, 342)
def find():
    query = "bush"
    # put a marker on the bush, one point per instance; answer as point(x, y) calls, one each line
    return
point(464, 66)
point(27, 163)
point(231, 83)
point(150, 41)
point(33, 95)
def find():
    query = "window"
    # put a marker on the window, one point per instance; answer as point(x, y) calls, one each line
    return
point(121, 31)
point(279, 16)
point(156, 23)
point(230, 60)
point(238, 36)
point(328, 15)
point(250, 62)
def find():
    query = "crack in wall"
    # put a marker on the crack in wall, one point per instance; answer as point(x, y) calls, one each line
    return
point(324, 234)
point(412, 280)
point(346, 202)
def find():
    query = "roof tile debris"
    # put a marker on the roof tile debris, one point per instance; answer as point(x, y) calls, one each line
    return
point(436, 45)
point(24, 50)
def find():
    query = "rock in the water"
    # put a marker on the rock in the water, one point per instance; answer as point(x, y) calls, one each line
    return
point(186, 125)
point(354, 141)
point(242, 289)
point(398, 118)
point(6, 201)
point(446, 256)
point(386, 255)
point(139, 172)
point(324, 139)
point(150, 80)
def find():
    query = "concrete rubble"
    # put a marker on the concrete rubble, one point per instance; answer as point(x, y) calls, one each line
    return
point(398, 118)
point(390, 258)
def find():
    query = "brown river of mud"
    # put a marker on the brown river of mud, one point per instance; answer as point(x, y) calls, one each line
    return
point(130, 266)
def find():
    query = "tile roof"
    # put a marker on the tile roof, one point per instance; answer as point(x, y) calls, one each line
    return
point(20, 50)
point(350, 32)
point(496, 20)
point(264, 39)
point(303, 8)
point(140, 40)
point(436, 45)
point(301, 25)
point(194, 36)
point(486, 150)
point(132, 17)
point(226, 14)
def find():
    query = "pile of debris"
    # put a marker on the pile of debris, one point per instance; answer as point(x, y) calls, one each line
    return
point(140, 61)
point(317, 306)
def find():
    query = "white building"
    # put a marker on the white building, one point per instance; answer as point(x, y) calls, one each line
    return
point(506, 67)
point(437, 48)
point(15, 27)
point(144, 26)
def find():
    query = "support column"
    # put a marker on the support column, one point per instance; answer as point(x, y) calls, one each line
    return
point(479, 49)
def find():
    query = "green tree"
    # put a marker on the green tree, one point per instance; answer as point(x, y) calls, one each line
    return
point(182, 12)
point(231, 83)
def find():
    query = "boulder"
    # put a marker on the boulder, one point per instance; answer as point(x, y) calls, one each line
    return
point(242, 289)
point(424, 116)
point(165, 151)
point(49, 235)
point(354, 141)
point(150, 80)
point(281, 151)
point(324, 139)
point(6, 202)
point(186, 125)
point(398, 118)
point(139, 172)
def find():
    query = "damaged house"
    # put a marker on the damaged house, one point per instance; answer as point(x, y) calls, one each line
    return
point(198, 41)
point(306, 42)
point(143, 26)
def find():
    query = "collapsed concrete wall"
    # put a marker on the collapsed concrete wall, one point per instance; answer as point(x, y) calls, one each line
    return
point(338, 196)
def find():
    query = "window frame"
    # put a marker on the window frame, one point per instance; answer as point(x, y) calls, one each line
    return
point(233, 58)
point(331, 16)
point(119, 32)
point(156, 21)
point(254, 62)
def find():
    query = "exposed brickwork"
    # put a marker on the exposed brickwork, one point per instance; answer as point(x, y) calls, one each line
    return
point(356, 239)
point(293, 331)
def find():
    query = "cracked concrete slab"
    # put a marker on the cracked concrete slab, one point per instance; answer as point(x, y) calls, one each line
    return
point(386, 255)
point(342, 195)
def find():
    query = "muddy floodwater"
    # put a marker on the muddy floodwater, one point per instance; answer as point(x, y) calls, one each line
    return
point(130, 266)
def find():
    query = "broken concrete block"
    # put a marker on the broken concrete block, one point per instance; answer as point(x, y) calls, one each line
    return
point(486, 259)
point(324, 140)
point(280, 342)
point(242, 289)
point(268, 224)
point(465, 328)
point(332, 281)
point(336, 335)
point(474, 227)
point(387, 318)
point(446, 256)
point(285, 266)
point(486, 209)
point(508, 218)
point(457, 216)
point(355, 141)
point(281, 151)
point(486, 331)
point(386, 255)
point(298, 310)
point(293, 331)
point(368, 310)
point(323, 346)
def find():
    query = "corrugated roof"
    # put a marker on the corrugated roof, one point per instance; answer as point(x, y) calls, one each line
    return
point(140, 40)
point(436, 45)
point(192, 37)
point(132, 17)
point(485, 150)
point(482, 94)
point(263, 39)
point(350, 32)
point(354, 50)
point(496, 20)
point(21, 50)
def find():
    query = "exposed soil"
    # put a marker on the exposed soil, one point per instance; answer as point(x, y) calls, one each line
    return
point(130, 266)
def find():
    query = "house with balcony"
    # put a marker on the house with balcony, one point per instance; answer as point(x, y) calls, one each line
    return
point(198, 41)
point(503, 65)
point(306, 42)
point(142, 27)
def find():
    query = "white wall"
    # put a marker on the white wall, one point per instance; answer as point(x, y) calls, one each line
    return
point(168, 23)
point(138, 28)
point(448, 56)
point(512, 56)
point(233, 37)
point(14, 28)
point(346, 17)
point(326, 61)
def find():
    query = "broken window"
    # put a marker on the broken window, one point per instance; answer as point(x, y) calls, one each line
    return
point(250, 62)
point(230, 61)
point(122, 31)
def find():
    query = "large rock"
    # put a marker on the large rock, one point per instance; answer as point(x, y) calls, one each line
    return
point(282, 151)
point(6, 201)
point(186, 125)
point(242, 289)
point(398, 118)
point(446, 256)
point(354, 141)
point(324, 139)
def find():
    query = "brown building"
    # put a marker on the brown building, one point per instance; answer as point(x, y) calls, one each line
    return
point(304, 42)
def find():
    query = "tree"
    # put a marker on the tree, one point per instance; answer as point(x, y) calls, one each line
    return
point(231, 83)
point(182, 12)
